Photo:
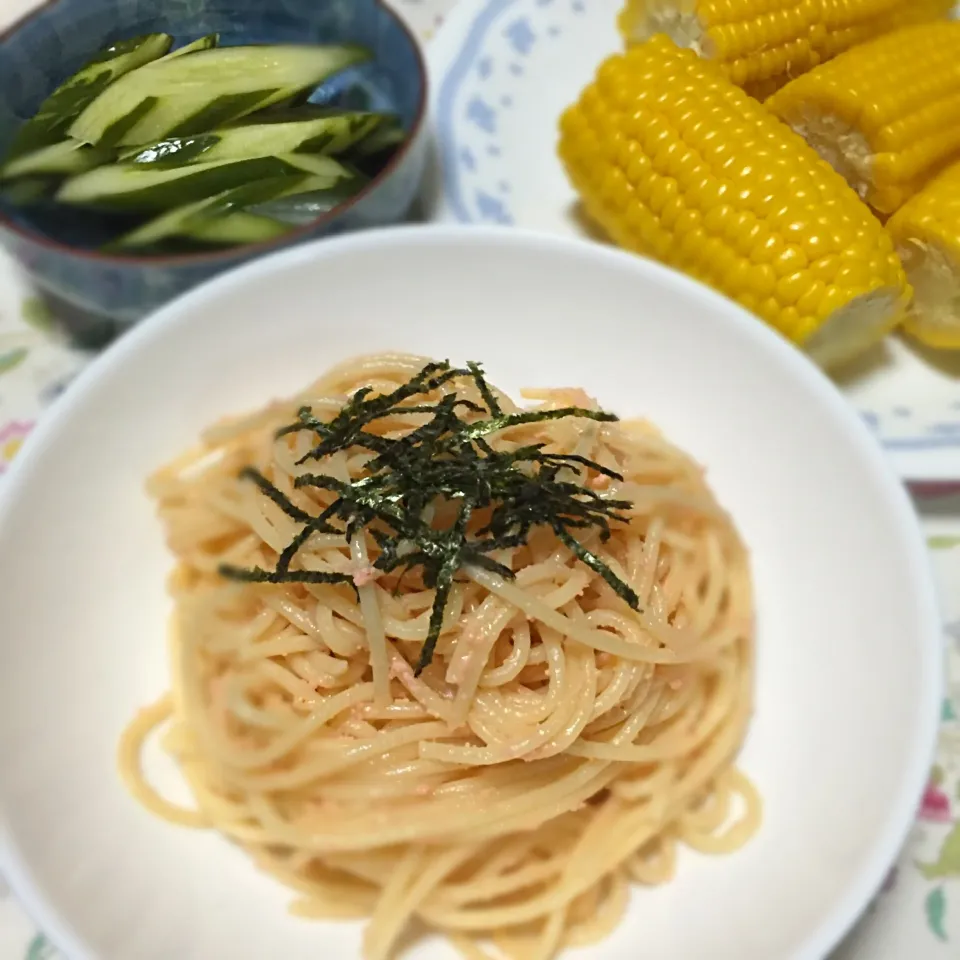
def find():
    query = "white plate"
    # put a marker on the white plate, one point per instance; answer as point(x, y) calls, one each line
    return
point(502, 71)
point(849, 667)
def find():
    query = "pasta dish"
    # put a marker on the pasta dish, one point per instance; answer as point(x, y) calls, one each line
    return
point(452, 664)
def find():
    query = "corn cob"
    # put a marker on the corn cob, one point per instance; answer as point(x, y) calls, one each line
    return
point(926, 232)
point(752, 41)
point(886, 114)
point(848, 23)
point(761, 44)
point(674, 161)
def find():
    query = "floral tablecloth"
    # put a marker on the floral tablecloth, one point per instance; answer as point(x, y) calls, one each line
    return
point(916, 917)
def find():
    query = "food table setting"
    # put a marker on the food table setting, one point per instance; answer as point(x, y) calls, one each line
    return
point(525, 125)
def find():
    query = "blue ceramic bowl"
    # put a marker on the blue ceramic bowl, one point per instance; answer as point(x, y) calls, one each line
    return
point(42, 50)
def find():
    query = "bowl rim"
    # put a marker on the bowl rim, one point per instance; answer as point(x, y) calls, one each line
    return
point(292, 236)
point(902, 807)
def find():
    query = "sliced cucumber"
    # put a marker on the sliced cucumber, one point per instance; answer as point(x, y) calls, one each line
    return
point(132, 187)
point(386, 136)
point(27, 191)
point(325, 168)
point(203, 43)
point(205, 90)
point(373, 153)
point(300, 208)
point(238, 228)
point(121, 125)
point(64, 159)
point(237, 216)
point(56, 114)
point(336, 130)
point(329, 134)
point(202, 220)
point(218, 112)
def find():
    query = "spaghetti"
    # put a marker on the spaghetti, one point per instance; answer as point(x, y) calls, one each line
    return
point(557, 744)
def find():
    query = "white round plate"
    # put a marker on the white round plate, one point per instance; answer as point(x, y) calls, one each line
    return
point(849, 643)
point(502, 73)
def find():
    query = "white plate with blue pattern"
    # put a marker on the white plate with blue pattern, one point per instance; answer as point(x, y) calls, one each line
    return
point(502, 71)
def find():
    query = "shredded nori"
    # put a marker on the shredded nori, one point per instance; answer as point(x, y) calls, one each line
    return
point(447, 459)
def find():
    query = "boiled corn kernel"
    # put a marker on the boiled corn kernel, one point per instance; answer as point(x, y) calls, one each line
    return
point(926, 232)
point(676, 162)
point(882, 120)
